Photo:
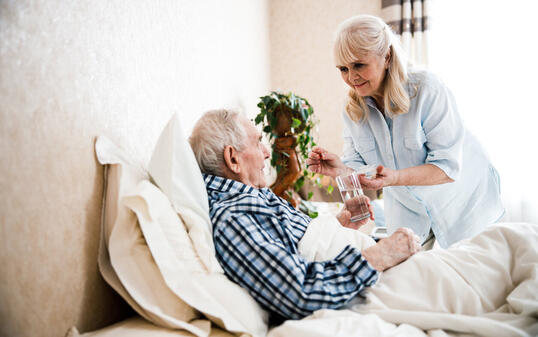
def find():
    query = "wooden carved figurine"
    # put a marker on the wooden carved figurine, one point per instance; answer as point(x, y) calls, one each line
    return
point(290, 167)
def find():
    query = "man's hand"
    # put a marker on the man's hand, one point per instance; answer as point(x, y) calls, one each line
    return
point(391, 251)
point(324, 162)
point(344, 217)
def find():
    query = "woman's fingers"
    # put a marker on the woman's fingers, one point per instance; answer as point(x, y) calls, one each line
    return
point(314, 168)
point(312, 162)
point(318, 149)
point(370, 184)
point(380, 169)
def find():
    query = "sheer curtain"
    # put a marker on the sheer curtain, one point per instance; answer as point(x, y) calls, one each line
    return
point(486, 52)
point(410, 21)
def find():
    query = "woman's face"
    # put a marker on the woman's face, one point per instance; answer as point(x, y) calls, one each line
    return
point(365, 75)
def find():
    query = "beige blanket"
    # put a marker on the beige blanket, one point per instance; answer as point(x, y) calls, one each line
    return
point(486, 286)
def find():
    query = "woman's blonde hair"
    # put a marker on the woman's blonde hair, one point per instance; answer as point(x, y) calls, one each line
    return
point(369, 34)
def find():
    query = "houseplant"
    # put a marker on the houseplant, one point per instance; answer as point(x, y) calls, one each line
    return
point(288, 120)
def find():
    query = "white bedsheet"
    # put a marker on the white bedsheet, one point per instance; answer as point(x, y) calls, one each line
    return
point(486, 286)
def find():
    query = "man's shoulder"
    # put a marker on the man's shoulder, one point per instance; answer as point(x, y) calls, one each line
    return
point(235, 199)
point(226, 205)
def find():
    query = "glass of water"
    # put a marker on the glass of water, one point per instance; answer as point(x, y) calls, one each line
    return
point(353, 197)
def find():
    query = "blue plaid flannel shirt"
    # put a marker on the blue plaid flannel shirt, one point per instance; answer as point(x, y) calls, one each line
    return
point(256, 235)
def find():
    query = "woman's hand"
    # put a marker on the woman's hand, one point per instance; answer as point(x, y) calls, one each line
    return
point(384, 177)
point(344, 216)
point(324, 162)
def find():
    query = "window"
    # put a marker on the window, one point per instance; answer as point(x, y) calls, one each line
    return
point(487, 54)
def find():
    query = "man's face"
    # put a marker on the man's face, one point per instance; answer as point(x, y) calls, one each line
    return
point(251, 159)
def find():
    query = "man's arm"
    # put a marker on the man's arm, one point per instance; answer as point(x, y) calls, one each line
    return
point(282, 280)
point(388, 252)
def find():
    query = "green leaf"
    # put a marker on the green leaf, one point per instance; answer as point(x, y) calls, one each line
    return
point(310, 195)
point(299, 183)
point(293, 101)
point(295, 123)
point(259, 118)
point(330, 189)
point(274, 104)
point(313, 215)
point(304, 114)
point(272, 121)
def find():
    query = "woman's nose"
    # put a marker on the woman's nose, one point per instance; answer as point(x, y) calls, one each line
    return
point(353, 76)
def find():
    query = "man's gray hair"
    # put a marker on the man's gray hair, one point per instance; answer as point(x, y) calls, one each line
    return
point(215, 130)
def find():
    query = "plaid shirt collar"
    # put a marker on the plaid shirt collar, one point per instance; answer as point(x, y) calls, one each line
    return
point(221, 184)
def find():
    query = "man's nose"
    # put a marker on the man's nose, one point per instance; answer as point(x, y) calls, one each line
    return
point(266, 153)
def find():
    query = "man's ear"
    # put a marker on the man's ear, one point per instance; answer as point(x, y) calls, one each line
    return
point(231, 159)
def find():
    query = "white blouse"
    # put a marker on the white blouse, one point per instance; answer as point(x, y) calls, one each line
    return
point(431, 132)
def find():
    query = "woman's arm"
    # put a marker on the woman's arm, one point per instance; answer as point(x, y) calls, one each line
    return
point(423, 175)
point(427, 174)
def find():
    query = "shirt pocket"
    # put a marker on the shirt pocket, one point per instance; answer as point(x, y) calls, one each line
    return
point(416, 150)
point(365, 146)
point(416, 141)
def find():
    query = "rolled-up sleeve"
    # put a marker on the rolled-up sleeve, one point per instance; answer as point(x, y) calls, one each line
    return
point(443, 128)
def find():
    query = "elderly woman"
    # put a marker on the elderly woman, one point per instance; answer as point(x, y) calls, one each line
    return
point(436, 178)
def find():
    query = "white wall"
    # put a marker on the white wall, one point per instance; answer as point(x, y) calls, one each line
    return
point(301, 35)
point(72, 70)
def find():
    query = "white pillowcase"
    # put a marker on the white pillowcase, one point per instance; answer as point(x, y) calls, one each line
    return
point(174, 169)
point(125, 260)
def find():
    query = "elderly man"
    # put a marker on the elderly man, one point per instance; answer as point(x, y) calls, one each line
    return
point(256, 233)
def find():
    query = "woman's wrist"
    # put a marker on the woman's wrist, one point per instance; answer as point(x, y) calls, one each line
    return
point(345, 170)
point(395, 181)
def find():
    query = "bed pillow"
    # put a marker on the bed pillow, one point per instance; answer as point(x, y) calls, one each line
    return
point(174, 169)
point(125, 260)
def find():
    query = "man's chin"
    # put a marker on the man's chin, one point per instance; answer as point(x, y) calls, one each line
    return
point(262, 183)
